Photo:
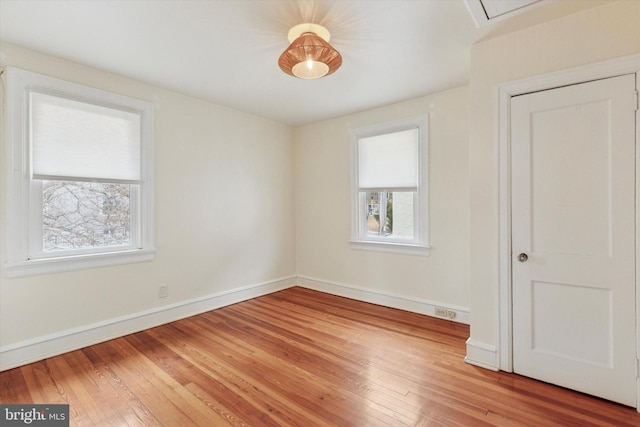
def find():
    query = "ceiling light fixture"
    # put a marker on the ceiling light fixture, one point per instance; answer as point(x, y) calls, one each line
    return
point(309, 55)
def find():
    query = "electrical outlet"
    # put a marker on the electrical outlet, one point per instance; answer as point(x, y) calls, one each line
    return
point(451, 314)
point(163, 291)
point(441, 312)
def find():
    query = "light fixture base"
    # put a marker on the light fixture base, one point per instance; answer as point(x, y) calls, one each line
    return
point(308, 27)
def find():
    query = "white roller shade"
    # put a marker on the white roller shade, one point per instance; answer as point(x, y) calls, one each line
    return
point(389, 161)
point(77, 140)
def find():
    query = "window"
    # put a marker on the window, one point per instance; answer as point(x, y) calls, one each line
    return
point(390, 200)
point(80, 179)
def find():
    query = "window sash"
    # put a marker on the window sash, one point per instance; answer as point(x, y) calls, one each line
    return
point(24, 255)
point(37, 225)
point(419, 243)
point(363, 234)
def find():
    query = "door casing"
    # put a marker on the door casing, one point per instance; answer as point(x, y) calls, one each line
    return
point(601, 70)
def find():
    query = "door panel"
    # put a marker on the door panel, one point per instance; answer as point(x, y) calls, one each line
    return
point(554, 323)
point(559, 134)
point(573, 214)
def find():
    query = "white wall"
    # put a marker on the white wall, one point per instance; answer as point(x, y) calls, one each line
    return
point(224, 221)
point(324, 258)
point(225, 206)
point(597, 34)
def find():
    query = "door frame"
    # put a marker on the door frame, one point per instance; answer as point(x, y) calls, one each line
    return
point(504, 93)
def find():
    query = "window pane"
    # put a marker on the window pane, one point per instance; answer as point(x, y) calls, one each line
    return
point(390, 214)
point(85, 215)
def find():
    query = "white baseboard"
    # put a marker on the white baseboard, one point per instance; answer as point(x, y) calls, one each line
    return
point(482, 355)
point(32, 350)
point(22, 353)
point(401, 302)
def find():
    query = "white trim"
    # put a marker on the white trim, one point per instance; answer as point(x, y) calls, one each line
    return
point(505, 319)
point(39, 348)
point(637, 206)
point(477, 12)
point(481, 18)
point(22, 255)
point(399, 248)
point(40, 266)
point(420, 243)
point(482, 355)
point(610, 68)
point(387, 299)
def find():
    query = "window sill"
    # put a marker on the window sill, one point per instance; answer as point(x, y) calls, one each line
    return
point(36, 267)
point(392, 247)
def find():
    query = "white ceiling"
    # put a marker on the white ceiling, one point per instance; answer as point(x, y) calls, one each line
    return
point(226, 51)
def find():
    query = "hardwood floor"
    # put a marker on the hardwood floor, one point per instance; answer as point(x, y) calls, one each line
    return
point(298, 357)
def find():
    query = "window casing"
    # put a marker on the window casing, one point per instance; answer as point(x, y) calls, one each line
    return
point(80, 184)
point(389, 187)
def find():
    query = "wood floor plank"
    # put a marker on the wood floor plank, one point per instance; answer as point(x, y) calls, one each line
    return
point(198, 380)
point(298, 358)
point(96, 387)
point(263, 370)
point(84, 412)
point(346, 370)
point(248, 400)
point(162, 395)
point(125, 399)
point(15, 387)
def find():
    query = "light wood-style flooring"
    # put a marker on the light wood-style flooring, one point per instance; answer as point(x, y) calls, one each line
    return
point(298, 358)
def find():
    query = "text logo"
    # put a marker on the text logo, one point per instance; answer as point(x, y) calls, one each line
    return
point(34, 415)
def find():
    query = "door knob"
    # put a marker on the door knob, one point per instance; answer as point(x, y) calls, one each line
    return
point(523, 257)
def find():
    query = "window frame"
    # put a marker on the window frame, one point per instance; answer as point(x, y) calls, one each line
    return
point(23, 257)
point(419, 245)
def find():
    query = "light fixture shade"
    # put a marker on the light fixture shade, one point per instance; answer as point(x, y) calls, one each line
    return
point(310, 57)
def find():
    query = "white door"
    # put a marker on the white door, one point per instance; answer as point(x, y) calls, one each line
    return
point(573, 237)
